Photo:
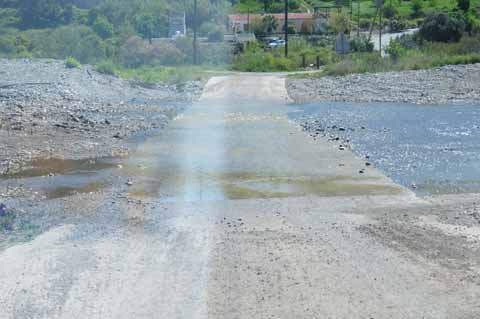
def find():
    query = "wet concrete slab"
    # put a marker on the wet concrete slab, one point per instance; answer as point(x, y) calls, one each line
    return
point(240, 147)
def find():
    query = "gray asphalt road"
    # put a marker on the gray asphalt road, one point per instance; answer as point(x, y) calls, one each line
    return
point(234, 212)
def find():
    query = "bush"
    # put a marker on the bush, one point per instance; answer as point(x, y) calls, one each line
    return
point(365, 24)
point(216, 35)
point(136, 52)
point(150, 25)
point(326, 56)
point(206, 28)
point(103, 28)
point(256, 60)
point(79, 42)
point(395, 50)
point(7, 45)
point(106, 67)
point(441, 27)
point(340, 22)
point(361, 44)
point(390, 12)
point(463, 5)
point(417, 8)
point(72, 63)
point(397, 25)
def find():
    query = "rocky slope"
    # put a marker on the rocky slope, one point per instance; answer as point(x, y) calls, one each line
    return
point(448, 84)
point(47, 110)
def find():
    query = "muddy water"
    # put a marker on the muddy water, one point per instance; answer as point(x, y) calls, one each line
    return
point(57, 178)
point(432, 149)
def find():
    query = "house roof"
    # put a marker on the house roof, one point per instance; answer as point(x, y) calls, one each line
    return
point(278, 16)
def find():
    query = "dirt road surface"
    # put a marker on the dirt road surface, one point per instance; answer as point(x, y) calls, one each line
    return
point(234, 212)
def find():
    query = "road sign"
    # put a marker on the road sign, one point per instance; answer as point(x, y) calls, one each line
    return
point(342, 45)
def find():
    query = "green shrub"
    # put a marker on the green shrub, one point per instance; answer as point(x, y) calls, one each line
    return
point(79, 42)
point(326, 56)
point(103, 28)
point(417, 8)
point(361, 44)
point(206, 28)
point(256, 60)
point(106, 67)
point(395, 50)
point(215, 36)
point(72, 63)
point(397, 25)
point(441, 27)
point(7, 45)
point(389, 12)
point(463, 5)
point(136, 52)
point(150, 25)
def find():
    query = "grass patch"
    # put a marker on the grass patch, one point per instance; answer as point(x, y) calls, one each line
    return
point(171, 75)
point(429, 55)
point(72, 63)
point(257, 58)
point(106, 67)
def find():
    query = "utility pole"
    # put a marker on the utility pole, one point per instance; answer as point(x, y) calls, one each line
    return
point(381, 28)
point(195, 58)
point(351, 9)
point(286, 28)
point(358, 18)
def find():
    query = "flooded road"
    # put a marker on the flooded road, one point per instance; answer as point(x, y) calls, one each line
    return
point(433, 149)
point(244, 148)
point(235, 212)
point(223, 147)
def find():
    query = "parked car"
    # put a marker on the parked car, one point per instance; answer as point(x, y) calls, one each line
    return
point(276, 43)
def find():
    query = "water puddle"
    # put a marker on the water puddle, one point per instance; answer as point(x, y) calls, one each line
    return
point(53, 166)
point(58, 178)
point(247, 185)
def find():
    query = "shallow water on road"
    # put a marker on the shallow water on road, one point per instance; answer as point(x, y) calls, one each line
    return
point(215, 151)
point(432, 149)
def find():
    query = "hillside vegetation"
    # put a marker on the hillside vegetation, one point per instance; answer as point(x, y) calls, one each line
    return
point(116, 34)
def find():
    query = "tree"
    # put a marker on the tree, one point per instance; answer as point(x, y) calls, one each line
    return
point(103, 28)
point(441, 27)
point(463, 5)
point(340, 22)
point(390, 12)
point(150, 26)
point(45, 13)
point(267, 4)
point(307, 27)
point(417, 8)
point(264, 26)
point(270, 23)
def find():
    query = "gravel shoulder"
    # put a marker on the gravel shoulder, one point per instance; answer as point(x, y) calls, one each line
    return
point(448, 84)
point(49, 111)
